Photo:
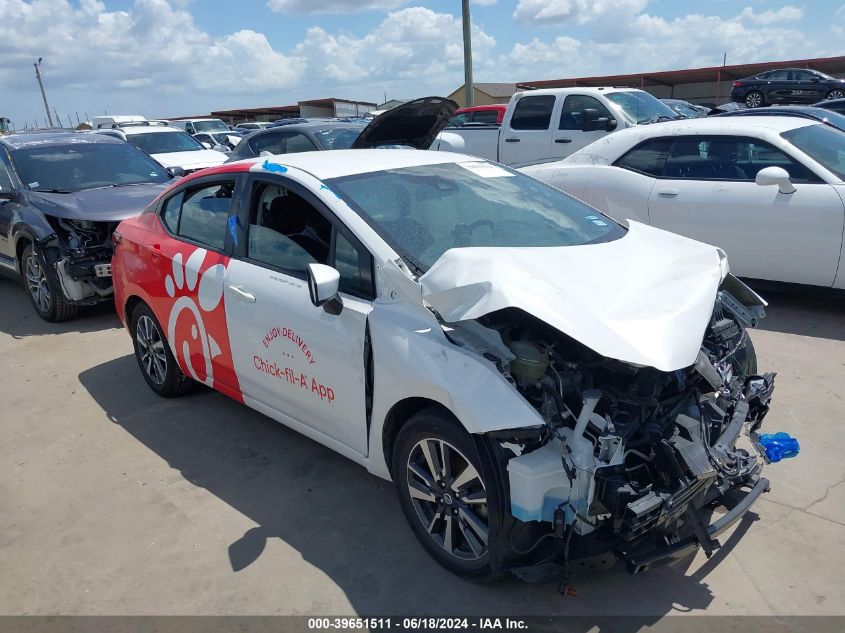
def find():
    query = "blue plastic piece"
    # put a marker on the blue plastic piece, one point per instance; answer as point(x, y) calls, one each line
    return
point(233, 225)
point(268, 166)
point(779, 446)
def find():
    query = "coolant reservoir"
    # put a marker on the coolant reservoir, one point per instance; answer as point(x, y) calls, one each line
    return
point(530, 363)
point(538, 483)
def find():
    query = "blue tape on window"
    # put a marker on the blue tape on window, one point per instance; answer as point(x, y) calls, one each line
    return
point(233, 223)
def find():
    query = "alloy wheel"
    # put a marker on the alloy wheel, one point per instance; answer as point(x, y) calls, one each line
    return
point(754, 100)
point(151, 350)
point(36, 282)
point(449, 498)
point(836, 94)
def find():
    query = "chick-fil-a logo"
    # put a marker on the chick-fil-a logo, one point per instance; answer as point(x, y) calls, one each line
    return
point(198, 293)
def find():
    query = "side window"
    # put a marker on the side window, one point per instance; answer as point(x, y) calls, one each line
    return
point(285, 231)
point(572, 115)
point(778, 75)
point(5, 179)
point(273, 142)
point(298, 142)
point(647, 158)
point(352, 263)
point(729, 158)
point(533, 113)
point(204, 212)
point(172, 208)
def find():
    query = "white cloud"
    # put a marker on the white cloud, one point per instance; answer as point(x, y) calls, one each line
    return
point(484, 3)
point(417, 46)
point(150, 45)
point(332, 6)
point(575, 11)
point(787, 13)
point(651, 43)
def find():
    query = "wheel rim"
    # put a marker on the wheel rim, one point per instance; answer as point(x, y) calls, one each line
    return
point(151, 350)
point(36, 282)
point(449, 498)
point(836, 94)
point(753, 100)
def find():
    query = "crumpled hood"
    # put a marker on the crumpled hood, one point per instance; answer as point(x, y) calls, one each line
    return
point(108, 204)
point(194, 159)
point(645, 299)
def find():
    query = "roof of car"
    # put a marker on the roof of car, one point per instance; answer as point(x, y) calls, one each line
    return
point(614, 145)
point(347, 162)
point(17, 141)
point(310, 125)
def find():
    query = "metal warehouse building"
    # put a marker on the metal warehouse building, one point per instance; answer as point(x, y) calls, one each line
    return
point(711, 86)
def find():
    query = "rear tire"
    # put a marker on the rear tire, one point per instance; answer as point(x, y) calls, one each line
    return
point(836, 93)
point(155, 360)
point(44, 290)
point(754, 99)
point(450, 510)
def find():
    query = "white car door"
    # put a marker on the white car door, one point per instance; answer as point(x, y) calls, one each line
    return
point(708, 192)
point(570, 135)
point(526, 136)
point(294, 360)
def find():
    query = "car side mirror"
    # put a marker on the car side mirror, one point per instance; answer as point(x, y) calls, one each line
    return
point(206, 145)
point(323, 286)
point(6, 193)
point(591, 122)
point(611, 125)
point(175, 171)
point(775, 176)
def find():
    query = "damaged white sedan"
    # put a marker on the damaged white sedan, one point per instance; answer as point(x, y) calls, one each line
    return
point(543, 384)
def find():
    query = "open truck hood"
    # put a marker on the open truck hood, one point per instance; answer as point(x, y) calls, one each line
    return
point(413, 124)
point(644, 299)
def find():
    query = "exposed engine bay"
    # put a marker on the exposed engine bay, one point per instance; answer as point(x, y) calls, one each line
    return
point(81, 251)
point(628, 455)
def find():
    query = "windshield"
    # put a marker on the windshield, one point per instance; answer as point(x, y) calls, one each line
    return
point(640, 107)
point(823, 144)
point(337, 138)
point(214, 125)
point(76, 166)
point(686, 110)
point(424, 211)
point(164, 142)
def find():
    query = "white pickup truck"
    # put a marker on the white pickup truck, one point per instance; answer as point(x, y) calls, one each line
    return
point(549, 124)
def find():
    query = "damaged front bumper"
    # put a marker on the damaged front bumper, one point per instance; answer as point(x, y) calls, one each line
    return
point(642, 561)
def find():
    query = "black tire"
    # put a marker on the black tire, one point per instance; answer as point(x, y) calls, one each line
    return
point(754, 99)
point(746, 358)
point(158, 366)
point(468, 516)
point(836, 93)
point(45, 292)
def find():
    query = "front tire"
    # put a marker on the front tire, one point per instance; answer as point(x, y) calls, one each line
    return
point(155, 360)
point(754, 99)
point(440, 481)
point(836, 93)
point(45, 291)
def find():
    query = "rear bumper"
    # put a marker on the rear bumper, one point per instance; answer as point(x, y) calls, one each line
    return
point(641, 562)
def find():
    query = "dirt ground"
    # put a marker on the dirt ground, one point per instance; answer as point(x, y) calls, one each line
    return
point(115, 501)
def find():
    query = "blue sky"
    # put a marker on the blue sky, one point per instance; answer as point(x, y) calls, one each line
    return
point(175, 57)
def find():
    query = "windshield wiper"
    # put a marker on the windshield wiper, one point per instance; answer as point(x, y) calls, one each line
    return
point(53, 190)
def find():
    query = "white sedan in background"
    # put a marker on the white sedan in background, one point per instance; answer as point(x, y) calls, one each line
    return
point(767, 190)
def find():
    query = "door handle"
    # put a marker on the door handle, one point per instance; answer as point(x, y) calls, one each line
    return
point(243, 293)
point(563, 140)
point(668, 193)
point(511, 140)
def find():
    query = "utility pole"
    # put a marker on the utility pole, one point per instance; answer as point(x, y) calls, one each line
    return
point(41, 85)
point(468, 86)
